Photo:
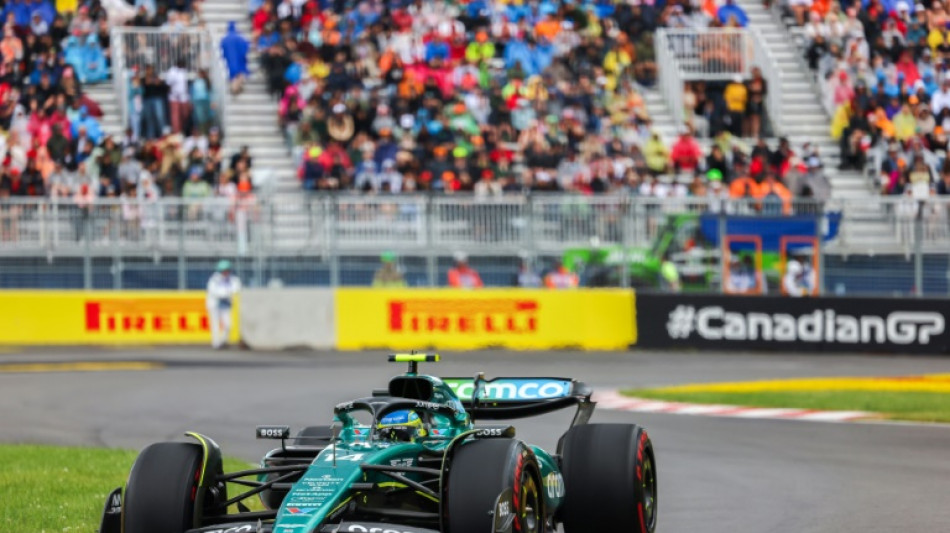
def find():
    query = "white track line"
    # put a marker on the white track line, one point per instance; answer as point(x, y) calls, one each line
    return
point(613, 400)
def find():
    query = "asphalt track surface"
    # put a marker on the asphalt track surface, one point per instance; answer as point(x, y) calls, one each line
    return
point(715, 475)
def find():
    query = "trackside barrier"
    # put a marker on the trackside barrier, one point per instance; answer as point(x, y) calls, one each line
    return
point(466, 320)
point(274, 319)
point(106, 317)
point(892, 325)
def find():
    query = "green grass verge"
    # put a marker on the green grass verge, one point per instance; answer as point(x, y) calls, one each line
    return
point(916, 406)
point(45, 489)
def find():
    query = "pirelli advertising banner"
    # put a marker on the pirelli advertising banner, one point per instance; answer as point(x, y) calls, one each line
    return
point(105, 317)
point(888, 325)
point(460, 320)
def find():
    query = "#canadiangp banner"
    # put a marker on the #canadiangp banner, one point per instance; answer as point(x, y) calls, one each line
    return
point(460, 319)
point(105, 317)
point(892, 325)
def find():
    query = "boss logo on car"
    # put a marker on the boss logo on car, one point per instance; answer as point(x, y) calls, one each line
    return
point(273, 432)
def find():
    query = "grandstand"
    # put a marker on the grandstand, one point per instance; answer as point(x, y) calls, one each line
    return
point(485, 126)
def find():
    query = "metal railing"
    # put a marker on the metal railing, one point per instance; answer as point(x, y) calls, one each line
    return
point(671, 82)
point(715, 54)
point(762, 58)
point(544, 223)
point(133, 48)
point(897, 245)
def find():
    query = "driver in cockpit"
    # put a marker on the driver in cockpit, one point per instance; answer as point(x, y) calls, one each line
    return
point(400, 426)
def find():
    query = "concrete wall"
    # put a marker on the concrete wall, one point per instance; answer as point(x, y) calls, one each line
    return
point(275, 319)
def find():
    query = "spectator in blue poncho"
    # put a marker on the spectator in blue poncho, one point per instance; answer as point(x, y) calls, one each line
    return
point(45, 9)
point(729, 11)
point(20, 10)
point(234, 48)
point(293, 73)
point(95, 68)
point(930, 83)
point(437, 49)
point(91, 125)
point(74, 55)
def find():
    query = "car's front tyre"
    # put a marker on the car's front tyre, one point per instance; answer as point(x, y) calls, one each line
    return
point(162, 490)
point(479, 473)
point(609, 479)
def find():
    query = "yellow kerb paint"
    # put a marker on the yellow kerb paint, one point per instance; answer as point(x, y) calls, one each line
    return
point(929, 383)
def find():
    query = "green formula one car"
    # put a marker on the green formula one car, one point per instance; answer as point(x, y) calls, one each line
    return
point(408, 459)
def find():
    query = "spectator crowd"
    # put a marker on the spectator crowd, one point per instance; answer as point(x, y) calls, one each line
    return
point(494, 97)
point(884, 68)
point(53, 144)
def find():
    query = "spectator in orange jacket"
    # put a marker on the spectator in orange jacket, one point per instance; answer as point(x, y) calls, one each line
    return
point(743, 187)
point(462, 276)
point(774, 197)
point(561, 278)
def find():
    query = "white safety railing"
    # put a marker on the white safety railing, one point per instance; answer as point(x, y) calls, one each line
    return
point(714, 54)
point(763, 59)
point(356, 224)
point(710, 53)
point(670, 77)
point(134, 48)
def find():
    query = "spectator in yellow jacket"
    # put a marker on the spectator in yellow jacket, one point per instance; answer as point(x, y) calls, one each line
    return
point(657, 155)
point(736, 96)
point(67, 6)
point(905, 123)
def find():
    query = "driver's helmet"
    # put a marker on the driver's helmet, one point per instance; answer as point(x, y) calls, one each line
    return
point(402, 426)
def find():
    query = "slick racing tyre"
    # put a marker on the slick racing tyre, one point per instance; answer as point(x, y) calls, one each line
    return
point(609, 478)
point(481, 471)
point(161, 494)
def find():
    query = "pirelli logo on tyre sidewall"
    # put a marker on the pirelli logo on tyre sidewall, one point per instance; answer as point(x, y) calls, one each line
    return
point(471, 319)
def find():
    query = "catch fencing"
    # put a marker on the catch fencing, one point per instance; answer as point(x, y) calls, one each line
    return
point(892, 245)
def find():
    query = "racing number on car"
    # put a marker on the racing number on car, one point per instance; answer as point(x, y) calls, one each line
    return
point(345, 457)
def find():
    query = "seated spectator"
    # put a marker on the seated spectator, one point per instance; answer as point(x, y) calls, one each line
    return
point(773, 196)
point(686, 153)
point(732, 14)
point(743, 186)
point(87, 124)
point(92, 67)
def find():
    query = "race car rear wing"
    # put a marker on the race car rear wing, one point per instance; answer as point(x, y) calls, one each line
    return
point(504, 398)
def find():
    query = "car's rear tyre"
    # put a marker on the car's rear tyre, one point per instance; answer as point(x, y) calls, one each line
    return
point(609, 479)
point(482, 470)
point(161, 494)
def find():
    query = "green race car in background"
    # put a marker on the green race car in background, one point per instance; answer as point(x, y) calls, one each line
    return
point(408, 459)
